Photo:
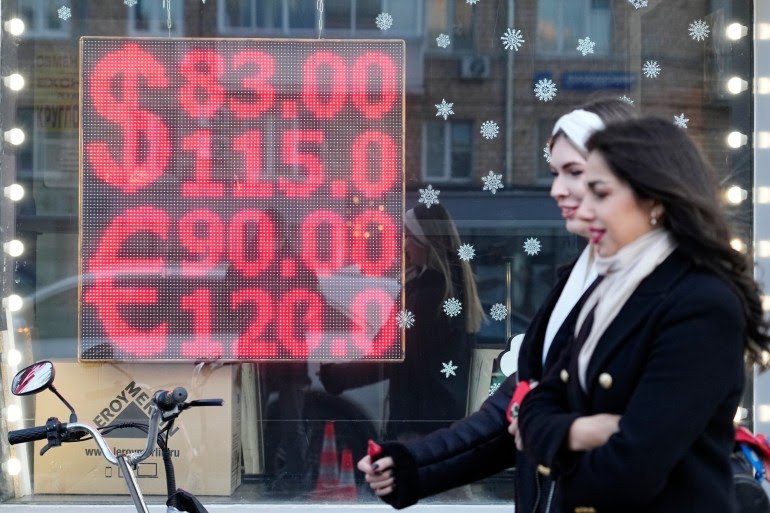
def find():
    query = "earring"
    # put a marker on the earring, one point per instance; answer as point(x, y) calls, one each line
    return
point(653, 218)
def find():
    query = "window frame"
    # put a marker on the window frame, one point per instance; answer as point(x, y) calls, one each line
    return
point(285, 29)
point(562, 49)
point(157, 20)
point(446, 177)
point(38, 29)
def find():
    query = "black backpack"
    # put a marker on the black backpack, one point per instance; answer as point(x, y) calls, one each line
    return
point(751, 497)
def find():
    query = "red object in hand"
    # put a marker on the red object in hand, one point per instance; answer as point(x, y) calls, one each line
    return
point(522, 389)
point(374, 449)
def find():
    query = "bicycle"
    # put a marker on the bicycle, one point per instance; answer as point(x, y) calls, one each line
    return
point(165, 407)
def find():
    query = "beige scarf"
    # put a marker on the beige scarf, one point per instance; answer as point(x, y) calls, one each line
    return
point(622, 274)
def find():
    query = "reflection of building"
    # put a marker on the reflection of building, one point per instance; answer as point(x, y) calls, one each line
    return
point(484, 81)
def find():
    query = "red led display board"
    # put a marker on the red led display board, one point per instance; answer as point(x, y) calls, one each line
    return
point(241, 199)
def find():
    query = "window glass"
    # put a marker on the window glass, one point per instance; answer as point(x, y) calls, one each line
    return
point(292, 431)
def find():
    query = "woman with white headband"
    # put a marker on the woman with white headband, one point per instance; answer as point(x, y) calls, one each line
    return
point(481, 444)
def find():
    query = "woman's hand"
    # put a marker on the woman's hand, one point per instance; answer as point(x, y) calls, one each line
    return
point(592, 431)
point(379, 475)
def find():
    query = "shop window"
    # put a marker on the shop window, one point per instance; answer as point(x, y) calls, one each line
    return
point(447, 151)
point(454, 18)
point(150, 18)
point(561, 24)
point(358, 17)
point(42, 19)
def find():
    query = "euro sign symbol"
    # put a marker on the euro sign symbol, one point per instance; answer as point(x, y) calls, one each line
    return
point(114, 92)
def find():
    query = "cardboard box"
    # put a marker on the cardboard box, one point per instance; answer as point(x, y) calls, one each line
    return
point(206, 443)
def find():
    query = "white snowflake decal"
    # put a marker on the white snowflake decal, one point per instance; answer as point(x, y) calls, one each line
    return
point(545, 90)
point(489, 129)
point(444, 109)
point(493, 388)
point(532, 246)
point(512, 39)
point(492, 182)
point(699, 30)
point(429, 196)
point(130, 3)
point(681, 121)
point(651, 69)
point(466, 252)
point(547, 153)
point(453, 307)
point(443, 40)
point(384, 21)
point(65, 12)
point(638, 3)
point(498, 311)
point(472, 2)
point(626, 99)
point(405, 319)
point(449, 369)
point(585, 46)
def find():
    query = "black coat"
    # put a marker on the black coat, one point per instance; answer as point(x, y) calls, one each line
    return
point(671, 364)
point(421, 399)
point(479, 445)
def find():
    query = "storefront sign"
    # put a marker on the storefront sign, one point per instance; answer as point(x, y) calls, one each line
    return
point(241, 199)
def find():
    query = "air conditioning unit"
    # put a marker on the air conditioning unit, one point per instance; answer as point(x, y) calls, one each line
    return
point(474, 67)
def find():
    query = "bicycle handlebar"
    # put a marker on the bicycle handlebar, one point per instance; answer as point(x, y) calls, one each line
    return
point(21, 436)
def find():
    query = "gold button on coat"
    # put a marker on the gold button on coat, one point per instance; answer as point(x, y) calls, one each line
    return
point(584, 509)
point(544, 470)
point(564, 375)
point(605, 380)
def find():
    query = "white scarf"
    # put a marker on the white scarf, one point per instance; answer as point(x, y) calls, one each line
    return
point(581, 276)
point(622, 274)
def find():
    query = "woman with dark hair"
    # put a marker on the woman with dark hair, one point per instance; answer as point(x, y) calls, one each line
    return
point(420, 399)
point(480, 445)
point(637, 415)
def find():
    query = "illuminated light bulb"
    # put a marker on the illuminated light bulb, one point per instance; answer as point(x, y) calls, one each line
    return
point(763, 85)
point(740, 414)
point(736, 195)
point(735, 31)
point(763, 194)
point(13, 303)
point(14, 136)
point(12, 466)
point(13, 357)
point(766, 308)
point(12, 413)
point(14, 26)
point(14, 82)
point(14, 192)
point(13, 247)
point(764, 412)
point(738, 245)
point(736, 139)
point(737, 85)
point(763, 248)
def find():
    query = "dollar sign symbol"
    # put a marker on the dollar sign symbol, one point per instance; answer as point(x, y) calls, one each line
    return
point(115, 96)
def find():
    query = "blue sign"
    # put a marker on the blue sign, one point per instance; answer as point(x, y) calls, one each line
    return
point(597, 80)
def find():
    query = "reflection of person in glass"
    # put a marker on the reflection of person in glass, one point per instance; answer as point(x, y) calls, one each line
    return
point(480, 445)
point(34, 378)
point(421, 398)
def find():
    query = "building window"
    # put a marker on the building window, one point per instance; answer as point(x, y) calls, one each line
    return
point(447, 151)
point(149, 18)
point(42, 19)
point(561, 24)
point(341, 16)
point(279, 16)
point(454, 18)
